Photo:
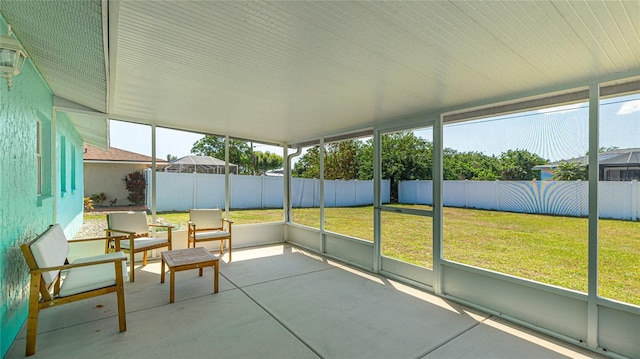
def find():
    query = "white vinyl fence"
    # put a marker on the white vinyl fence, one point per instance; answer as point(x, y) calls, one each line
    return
point(181, 191)
point(619, 200)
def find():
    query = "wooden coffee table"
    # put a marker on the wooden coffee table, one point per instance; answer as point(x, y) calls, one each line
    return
point(185, 259)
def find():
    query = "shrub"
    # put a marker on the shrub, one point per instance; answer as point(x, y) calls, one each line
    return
point(88, 204)
point(97, 199)
point(136, 185)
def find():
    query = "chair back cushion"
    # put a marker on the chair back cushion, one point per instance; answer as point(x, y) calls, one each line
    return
point(50, 249)
point(128, 221)
point(206, 218)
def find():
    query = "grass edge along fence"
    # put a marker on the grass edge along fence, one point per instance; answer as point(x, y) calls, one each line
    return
point(507, 246)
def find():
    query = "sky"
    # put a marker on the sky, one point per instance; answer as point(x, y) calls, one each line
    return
point(554, 133)
point(137, 138)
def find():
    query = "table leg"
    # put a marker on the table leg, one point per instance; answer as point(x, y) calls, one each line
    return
point(215, 277)
point(161, 269)
point(172, 286)
point(200, 269)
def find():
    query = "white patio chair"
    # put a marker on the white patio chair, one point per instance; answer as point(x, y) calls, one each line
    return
point(208, 225)
point(129, 232)
point(88, 277)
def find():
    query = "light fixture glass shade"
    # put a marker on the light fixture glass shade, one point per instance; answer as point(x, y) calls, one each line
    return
point(7, 57)
point(12, 57)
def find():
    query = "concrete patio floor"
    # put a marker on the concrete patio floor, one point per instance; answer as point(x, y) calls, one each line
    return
point(280, 301)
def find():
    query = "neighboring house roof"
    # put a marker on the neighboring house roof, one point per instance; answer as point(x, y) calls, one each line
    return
point(199, 160)
point(95, 154)
point(279, 172)
point(204, 162)
point(619, 157)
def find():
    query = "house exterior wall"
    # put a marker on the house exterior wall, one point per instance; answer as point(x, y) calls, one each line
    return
point(546, 174)
point(107, 178)
point(23, 212)
point(70, 206)
point(622, 173)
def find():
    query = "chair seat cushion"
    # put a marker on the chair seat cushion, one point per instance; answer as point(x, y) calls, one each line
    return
point(143, 242)
point(84, 279)
point(211, 235)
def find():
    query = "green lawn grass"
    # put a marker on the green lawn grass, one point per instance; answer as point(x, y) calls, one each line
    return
point(548, 249)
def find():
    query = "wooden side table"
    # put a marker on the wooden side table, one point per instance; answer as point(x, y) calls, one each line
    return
point(185, 259)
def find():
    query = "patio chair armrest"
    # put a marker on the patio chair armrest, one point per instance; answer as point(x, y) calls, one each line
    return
point(168, 227)
point(109, 230)
point(191, 229)
point(76, 265)
point(228, 221)
point(88, 239)
point(116, 240)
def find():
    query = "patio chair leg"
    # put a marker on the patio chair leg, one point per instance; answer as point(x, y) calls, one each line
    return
point(122, 318)
point(32, 319)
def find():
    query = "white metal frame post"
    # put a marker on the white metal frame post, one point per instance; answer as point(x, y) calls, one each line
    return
point(323, 240)
point(286, 202)
point(153, 174)
point(227, 179)
point(594, 178)
point(287, 179)
point(437, 205)
point(377, 201)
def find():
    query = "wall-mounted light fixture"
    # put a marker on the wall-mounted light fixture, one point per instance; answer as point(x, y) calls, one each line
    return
point(12, 57)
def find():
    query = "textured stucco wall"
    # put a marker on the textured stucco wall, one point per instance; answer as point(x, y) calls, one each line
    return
point(23, 213)
point(69, 208)
point(107, 178)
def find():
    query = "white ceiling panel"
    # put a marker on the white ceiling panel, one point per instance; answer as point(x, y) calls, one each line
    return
point(296, 70)
point(91, 128)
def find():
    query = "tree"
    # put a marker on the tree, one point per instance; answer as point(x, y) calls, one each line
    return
point(517, 165)
point(570, 171)
point(265, 161)
point(341, 161)
point(171, 157)
point(404, 157)
point(469, 166)
point(239, 151)
point(308, 166)
point(604, 149)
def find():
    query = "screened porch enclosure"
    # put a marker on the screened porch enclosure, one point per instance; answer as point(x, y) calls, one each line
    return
point(411, 88)
point(429, 260)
